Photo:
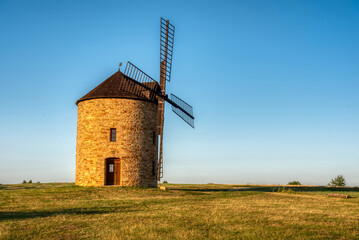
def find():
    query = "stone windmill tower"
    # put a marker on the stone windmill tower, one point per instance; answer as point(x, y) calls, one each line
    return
point(120, 124)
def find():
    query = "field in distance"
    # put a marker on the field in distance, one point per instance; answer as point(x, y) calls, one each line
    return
point(184, 211)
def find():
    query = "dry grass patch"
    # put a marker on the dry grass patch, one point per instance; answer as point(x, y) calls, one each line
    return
point(65, 211)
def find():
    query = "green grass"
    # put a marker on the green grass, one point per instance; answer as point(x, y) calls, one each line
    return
point(185, 211)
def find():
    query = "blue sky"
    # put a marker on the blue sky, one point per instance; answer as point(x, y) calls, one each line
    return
point(274, 85)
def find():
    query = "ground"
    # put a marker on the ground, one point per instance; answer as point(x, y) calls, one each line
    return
point(66, 211)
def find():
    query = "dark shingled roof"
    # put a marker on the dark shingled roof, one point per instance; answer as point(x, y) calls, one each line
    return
point(110, 88)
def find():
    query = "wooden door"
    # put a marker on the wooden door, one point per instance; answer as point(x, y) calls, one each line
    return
point(117, 172)
point(113, 171)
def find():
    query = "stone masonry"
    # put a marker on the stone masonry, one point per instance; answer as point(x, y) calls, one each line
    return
point(135, 122)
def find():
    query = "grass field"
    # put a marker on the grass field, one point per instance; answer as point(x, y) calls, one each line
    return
point(66, 211)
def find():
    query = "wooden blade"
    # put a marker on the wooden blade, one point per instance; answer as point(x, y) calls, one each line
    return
point(166, 50)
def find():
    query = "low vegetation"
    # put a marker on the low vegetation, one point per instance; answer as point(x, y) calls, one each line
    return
point(294, 183)
point(66, 211)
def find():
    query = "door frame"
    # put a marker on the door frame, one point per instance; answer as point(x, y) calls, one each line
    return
point(116, 173)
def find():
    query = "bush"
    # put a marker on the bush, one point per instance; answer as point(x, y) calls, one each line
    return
point(284, 190)
point(294, 183)
point(165, 182)
point(30, 181)
point(37, 182)
point(24, 181)
point(339, 181)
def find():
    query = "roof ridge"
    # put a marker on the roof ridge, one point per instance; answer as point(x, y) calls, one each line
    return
point(110, 89)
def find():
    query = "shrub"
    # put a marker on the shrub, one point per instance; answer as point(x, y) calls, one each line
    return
point(284, 190)
point(294, 183)
point(339, 181)
point(30, 181)
point(37, 182)
point(165, 182)
point(24, 181)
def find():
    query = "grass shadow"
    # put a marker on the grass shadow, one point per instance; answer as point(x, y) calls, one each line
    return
point(7, 187)
point(20, 215)
point(273, 189)
point(36, 186)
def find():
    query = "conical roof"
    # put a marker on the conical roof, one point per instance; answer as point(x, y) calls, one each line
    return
point(110, 88)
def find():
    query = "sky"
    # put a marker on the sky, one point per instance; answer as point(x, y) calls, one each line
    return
point(274, 85)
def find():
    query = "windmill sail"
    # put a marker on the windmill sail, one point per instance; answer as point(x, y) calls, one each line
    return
point(166, 52)
point(166, 48)
point(183, 110)
point(137, 74)
point(139, 83)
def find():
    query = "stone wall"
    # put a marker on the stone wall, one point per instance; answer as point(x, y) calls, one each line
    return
point(135, 122)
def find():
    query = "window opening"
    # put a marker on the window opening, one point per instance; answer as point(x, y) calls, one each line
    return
point(113, 134)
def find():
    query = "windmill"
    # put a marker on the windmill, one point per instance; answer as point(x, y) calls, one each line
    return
point(139, 83)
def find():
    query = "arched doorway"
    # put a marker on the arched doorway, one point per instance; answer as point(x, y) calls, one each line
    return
point(113, 171)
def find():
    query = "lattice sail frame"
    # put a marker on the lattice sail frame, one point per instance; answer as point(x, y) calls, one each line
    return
point(166, 48)
point(183, 110)
point(135, 73)
point(144, 89)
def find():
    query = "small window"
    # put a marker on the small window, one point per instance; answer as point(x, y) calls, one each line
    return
point(113, 134)
point(154, 137)
point(110, 167)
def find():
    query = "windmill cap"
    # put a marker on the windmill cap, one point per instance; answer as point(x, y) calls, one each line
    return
point(110, 88)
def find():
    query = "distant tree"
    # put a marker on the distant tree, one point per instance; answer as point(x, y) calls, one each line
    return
point(30, 181)
point(294, 183)
point(339, 181)
point(24, 181)
point(165, 182)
